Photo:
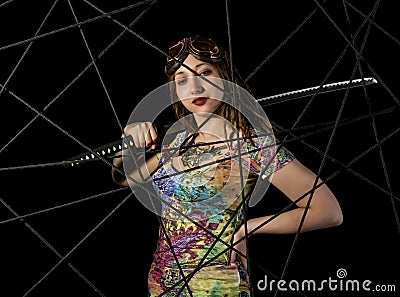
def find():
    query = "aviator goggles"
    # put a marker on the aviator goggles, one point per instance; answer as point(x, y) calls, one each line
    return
point(201, 48)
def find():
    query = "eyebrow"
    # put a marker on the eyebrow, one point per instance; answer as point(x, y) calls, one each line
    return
point(195, 67)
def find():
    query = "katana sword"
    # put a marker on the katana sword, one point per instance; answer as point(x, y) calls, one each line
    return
point(110, 149)
point(342, 85)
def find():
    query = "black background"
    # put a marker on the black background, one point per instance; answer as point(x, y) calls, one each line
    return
point(112, 245)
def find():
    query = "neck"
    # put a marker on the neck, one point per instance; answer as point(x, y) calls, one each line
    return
point(215, 125)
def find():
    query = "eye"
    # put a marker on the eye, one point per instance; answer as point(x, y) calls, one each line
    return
point(206, 72)
point(181, 81)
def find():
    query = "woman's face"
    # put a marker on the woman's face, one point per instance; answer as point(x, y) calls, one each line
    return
point(199, 94)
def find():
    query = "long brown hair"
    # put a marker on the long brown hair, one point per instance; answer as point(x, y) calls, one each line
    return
point(225, 110)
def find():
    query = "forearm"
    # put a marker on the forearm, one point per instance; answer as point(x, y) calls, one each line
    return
point(296, 181)
point(117, 171)
point(129, 171)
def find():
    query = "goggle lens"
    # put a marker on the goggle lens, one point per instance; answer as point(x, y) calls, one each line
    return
point(204, 47)
point(176, 50)
point(201, 48)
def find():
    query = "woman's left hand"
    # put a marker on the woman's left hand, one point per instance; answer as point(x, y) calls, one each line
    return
point(240, 247)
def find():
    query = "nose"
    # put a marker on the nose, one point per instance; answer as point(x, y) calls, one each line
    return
point(196, 86)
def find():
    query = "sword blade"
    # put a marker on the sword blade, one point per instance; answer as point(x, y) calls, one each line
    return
point(112, 148)
point(283, 97)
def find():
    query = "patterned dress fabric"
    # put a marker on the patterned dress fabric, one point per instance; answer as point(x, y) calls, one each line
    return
point(201, 209)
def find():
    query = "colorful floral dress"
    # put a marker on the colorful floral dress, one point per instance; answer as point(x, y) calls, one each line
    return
point(203, 208)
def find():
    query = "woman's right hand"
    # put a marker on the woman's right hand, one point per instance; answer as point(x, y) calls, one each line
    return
point(144, 135)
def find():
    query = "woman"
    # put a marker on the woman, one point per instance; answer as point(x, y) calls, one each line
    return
point(206, 176)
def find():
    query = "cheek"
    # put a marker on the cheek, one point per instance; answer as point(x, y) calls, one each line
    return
point(216, 91)
point(181, 97)
point(185, 102)
point(182, 92)
point(215, 103)
point(179, 94)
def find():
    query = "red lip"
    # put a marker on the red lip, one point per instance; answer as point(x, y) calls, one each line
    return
point(199, 101)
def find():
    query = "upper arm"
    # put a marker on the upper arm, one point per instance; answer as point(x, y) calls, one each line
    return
point(296, 181)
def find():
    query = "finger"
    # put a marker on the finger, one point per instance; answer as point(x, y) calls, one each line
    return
point(136, 140)
point(154, 137)
point(142, 139)
point(141, 131)
point(151, 136)
point(233, 257)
